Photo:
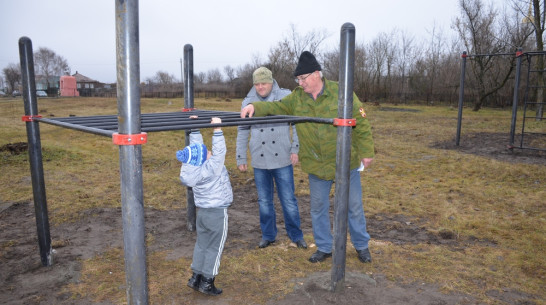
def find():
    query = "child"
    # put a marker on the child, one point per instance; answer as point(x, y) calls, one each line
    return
point(207, 175)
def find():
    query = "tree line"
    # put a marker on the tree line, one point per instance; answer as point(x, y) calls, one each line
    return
point(397, 66)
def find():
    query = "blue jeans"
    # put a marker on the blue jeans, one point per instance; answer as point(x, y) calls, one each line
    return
point(320, 205)
point(284, 179)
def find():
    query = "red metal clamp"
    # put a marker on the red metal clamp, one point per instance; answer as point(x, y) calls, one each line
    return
point(344, 122)
point(30, 118)
point(187, 109)
point(129, 139)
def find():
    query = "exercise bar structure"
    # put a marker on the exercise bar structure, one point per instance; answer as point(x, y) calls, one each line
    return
point(129, 131)
point(527, 103)
point(107, 125)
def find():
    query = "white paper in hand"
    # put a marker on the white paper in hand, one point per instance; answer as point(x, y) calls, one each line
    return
point(361, 168)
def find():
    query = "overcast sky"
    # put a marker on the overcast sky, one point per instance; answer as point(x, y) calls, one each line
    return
point(223, 32)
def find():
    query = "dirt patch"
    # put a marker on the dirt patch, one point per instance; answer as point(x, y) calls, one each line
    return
point(396, 109)
point(495, 146)
point(360, 288)
point(24, 281)
point(15, 148)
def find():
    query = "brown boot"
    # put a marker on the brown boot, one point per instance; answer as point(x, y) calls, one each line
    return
point(206, 286)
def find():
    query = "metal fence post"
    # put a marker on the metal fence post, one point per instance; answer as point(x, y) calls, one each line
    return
point(188, 104)
point(130, 156)
point(343, 155)
point(519, 56)
point(35, 150)
point(461, 98)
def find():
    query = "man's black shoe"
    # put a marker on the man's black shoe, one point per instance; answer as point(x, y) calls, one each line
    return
point(364, 255)
point(301, 244)
point(265, 243)
point(319, 256)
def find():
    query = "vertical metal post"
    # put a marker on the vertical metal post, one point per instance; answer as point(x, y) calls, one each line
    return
point(188, 76)
point(519, 56)
point(35, 150)
point(181, 70)
point(343, 155)
point(130, 156)
point(461, 98)
point(188, 104)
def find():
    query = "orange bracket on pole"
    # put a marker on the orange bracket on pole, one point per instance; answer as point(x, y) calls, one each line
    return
point(344, 122)
point(129, 139)
point(30, 118)
point(187, 109)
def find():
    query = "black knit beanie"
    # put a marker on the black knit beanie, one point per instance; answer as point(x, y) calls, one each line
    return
point(307, 64)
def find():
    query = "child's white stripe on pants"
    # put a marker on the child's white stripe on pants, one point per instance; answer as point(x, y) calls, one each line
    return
point(212, 230)
point(222, 242)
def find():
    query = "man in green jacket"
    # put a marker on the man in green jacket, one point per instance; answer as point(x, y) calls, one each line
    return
point(318, 97)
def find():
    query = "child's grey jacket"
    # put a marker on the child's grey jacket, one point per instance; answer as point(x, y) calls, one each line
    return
point(210, 181)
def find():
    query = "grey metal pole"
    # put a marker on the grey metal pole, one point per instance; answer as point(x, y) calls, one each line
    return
point(188, 105)
point(343, 155)
point(461, 98)
point(35, 150)
point(130, 156)
point(519, 57)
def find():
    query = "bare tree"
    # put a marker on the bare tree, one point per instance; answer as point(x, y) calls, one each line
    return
point(433, 58)
point(12, 74)
point(330, 64)
point(281, 63)
point(390, 51)
point(230, 74)
point(48, 63)
point(283, 57)
point(449, 73)
point(199, 78)
point(214, 76)
point(161, 82)
point(309, 42)
point(164, 78)
point(404, 60)
point(244, 73)
point(380, 53)
point(478, 29)
point(362, 80)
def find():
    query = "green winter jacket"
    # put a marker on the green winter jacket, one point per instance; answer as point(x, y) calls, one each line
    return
point(318, 141)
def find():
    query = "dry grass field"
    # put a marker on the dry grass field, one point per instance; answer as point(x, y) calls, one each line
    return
point(449, 225)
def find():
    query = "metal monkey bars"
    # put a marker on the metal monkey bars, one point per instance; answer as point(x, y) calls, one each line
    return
point(107, 125)
point(129, 131)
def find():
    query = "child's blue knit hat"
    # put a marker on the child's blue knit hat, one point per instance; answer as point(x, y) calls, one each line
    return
point(195, 154)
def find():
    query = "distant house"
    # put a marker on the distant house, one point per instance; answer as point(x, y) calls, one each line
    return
point(85, 85)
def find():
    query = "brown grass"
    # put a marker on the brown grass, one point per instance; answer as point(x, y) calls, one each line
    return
point(468, 195)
